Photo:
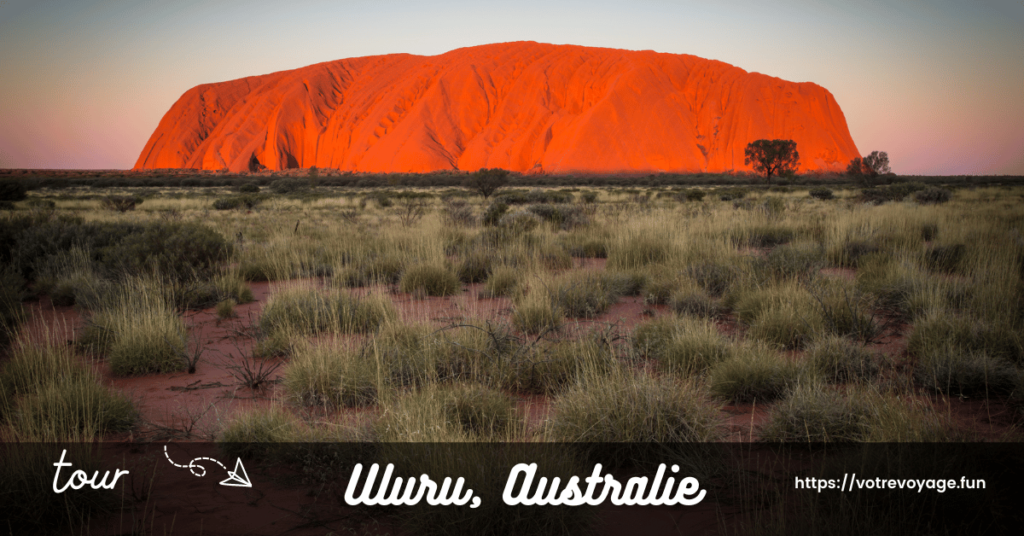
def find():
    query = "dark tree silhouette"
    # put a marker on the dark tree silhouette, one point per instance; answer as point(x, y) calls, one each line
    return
point(487, 181)
point(772, 157)
point(870, 167)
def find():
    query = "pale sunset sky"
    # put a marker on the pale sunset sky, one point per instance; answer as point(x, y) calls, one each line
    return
point(937, 84)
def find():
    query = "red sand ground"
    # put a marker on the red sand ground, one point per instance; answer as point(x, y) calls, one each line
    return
point(526, 107)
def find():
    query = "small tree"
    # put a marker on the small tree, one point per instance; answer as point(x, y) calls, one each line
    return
point(870, 167)
point(487, 181)
point(772, 157)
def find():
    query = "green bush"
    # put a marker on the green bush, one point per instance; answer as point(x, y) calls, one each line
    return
point(933, 195)
point(174, 250)
point(287, 186)
point(247, 201)
point(430, 280)
point(12, 190)
point(494, 213)
point(821, 193)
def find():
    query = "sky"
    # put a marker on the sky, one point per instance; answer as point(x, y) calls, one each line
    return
point(937, 84)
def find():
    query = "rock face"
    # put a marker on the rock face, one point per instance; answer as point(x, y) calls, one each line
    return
point(525, 107)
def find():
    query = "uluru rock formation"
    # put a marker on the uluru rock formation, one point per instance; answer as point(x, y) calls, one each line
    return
point(526, 107)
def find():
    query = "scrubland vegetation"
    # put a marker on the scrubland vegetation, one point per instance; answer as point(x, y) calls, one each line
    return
point(640, 314)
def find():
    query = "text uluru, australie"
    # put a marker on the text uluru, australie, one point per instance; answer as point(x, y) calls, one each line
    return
point(525, 489)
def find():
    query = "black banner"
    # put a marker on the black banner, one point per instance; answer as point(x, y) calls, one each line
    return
point(510, 488)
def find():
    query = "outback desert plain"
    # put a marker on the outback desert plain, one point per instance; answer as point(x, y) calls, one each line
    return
point(512, 244)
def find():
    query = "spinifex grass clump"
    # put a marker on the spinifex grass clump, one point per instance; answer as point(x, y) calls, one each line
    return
point(502, 281)
point(582, 295)
point(636, 250)
point(139, 332)
point(754, 372)
point(536, 313)
point(310, 311)
point(841, 359)
point(331, 375)
point(785, 314)
point(259, 432)
point(47, 394)
point(625, 406)
point(430, 280)
point(814, 412)
point(683, 345)
point(959, 372)
point(481, 411)
point(940, 329)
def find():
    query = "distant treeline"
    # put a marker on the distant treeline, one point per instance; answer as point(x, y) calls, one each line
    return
point(33, 180)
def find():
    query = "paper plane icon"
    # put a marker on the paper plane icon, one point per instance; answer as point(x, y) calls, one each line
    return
point(237, 478)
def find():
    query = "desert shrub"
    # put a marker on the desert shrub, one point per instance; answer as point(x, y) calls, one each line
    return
point(562, 216)
point(694, 194)
point(120, 203)
point(480, 410)
point(634, 407)
point(939, 330)
point(249, 188)
point(309, 311)
point(945, 258)
point(458, 212)
point(638, 251)
point(933, 195)
point(12, 190)
point(502, 281)
point(929, 232)
point(173, 250)
point(588, 196)
point(246, 201)
point(957, 372)
point(474, 267)
point(731, 194)
point(287, 186)
point(626, 283)
point(430, 280)
point(494, 213)
point(12, 314)
point(821, 193)
point(754, 371)
point(520, 222)
point(331, 375)
point(840, 359)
